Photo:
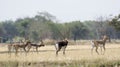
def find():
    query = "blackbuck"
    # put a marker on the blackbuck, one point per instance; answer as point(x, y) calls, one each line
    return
point(61, 44)
point(35, 45)
point(99, 43)
point(17, 46)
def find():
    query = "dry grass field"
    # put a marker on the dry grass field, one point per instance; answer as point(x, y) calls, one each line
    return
point(76, 56)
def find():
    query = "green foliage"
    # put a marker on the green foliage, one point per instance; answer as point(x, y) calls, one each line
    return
point(44, 26)
point(78, 30)
point(116, 22)
point(8, 29)
point(55, 29)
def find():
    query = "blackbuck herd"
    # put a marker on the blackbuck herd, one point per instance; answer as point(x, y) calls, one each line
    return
point(27, 44)
point(58, 45)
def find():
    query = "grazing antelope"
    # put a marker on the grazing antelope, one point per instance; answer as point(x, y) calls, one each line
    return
point(99, 43)
point(18, 45)
point(35, 45)
point(61, 44)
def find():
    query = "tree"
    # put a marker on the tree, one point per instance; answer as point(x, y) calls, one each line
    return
point(2, 31)
point(116, 22)
point(56, 30)
point(47, 16)
point(78, 30)
point(9, 29)
point(23, 26)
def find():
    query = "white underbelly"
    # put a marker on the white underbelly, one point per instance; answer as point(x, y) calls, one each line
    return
point(56, 45)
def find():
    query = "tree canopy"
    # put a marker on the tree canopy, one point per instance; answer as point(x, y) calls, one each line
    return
point(45, 26)
point(116, 22)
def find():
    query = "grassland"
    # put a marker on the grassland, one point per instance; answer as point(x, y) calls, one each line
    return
point(78, 55)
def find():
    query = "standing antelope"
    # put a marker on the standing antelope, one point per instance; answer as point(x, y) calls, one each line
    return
point(10, 46)
point(61, 44)
point(35, 45)
point(99, 43)
point(18, 45)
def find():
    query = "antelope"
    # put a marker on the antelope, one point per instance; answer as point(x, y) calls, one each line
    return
point(18, 45)
point(9, 48)
point(35, 45)
point(99, 43)
point(61, 44)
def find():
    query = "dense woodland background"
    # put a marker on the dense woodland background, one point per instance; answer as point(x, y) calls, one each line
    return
point(46, 26)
